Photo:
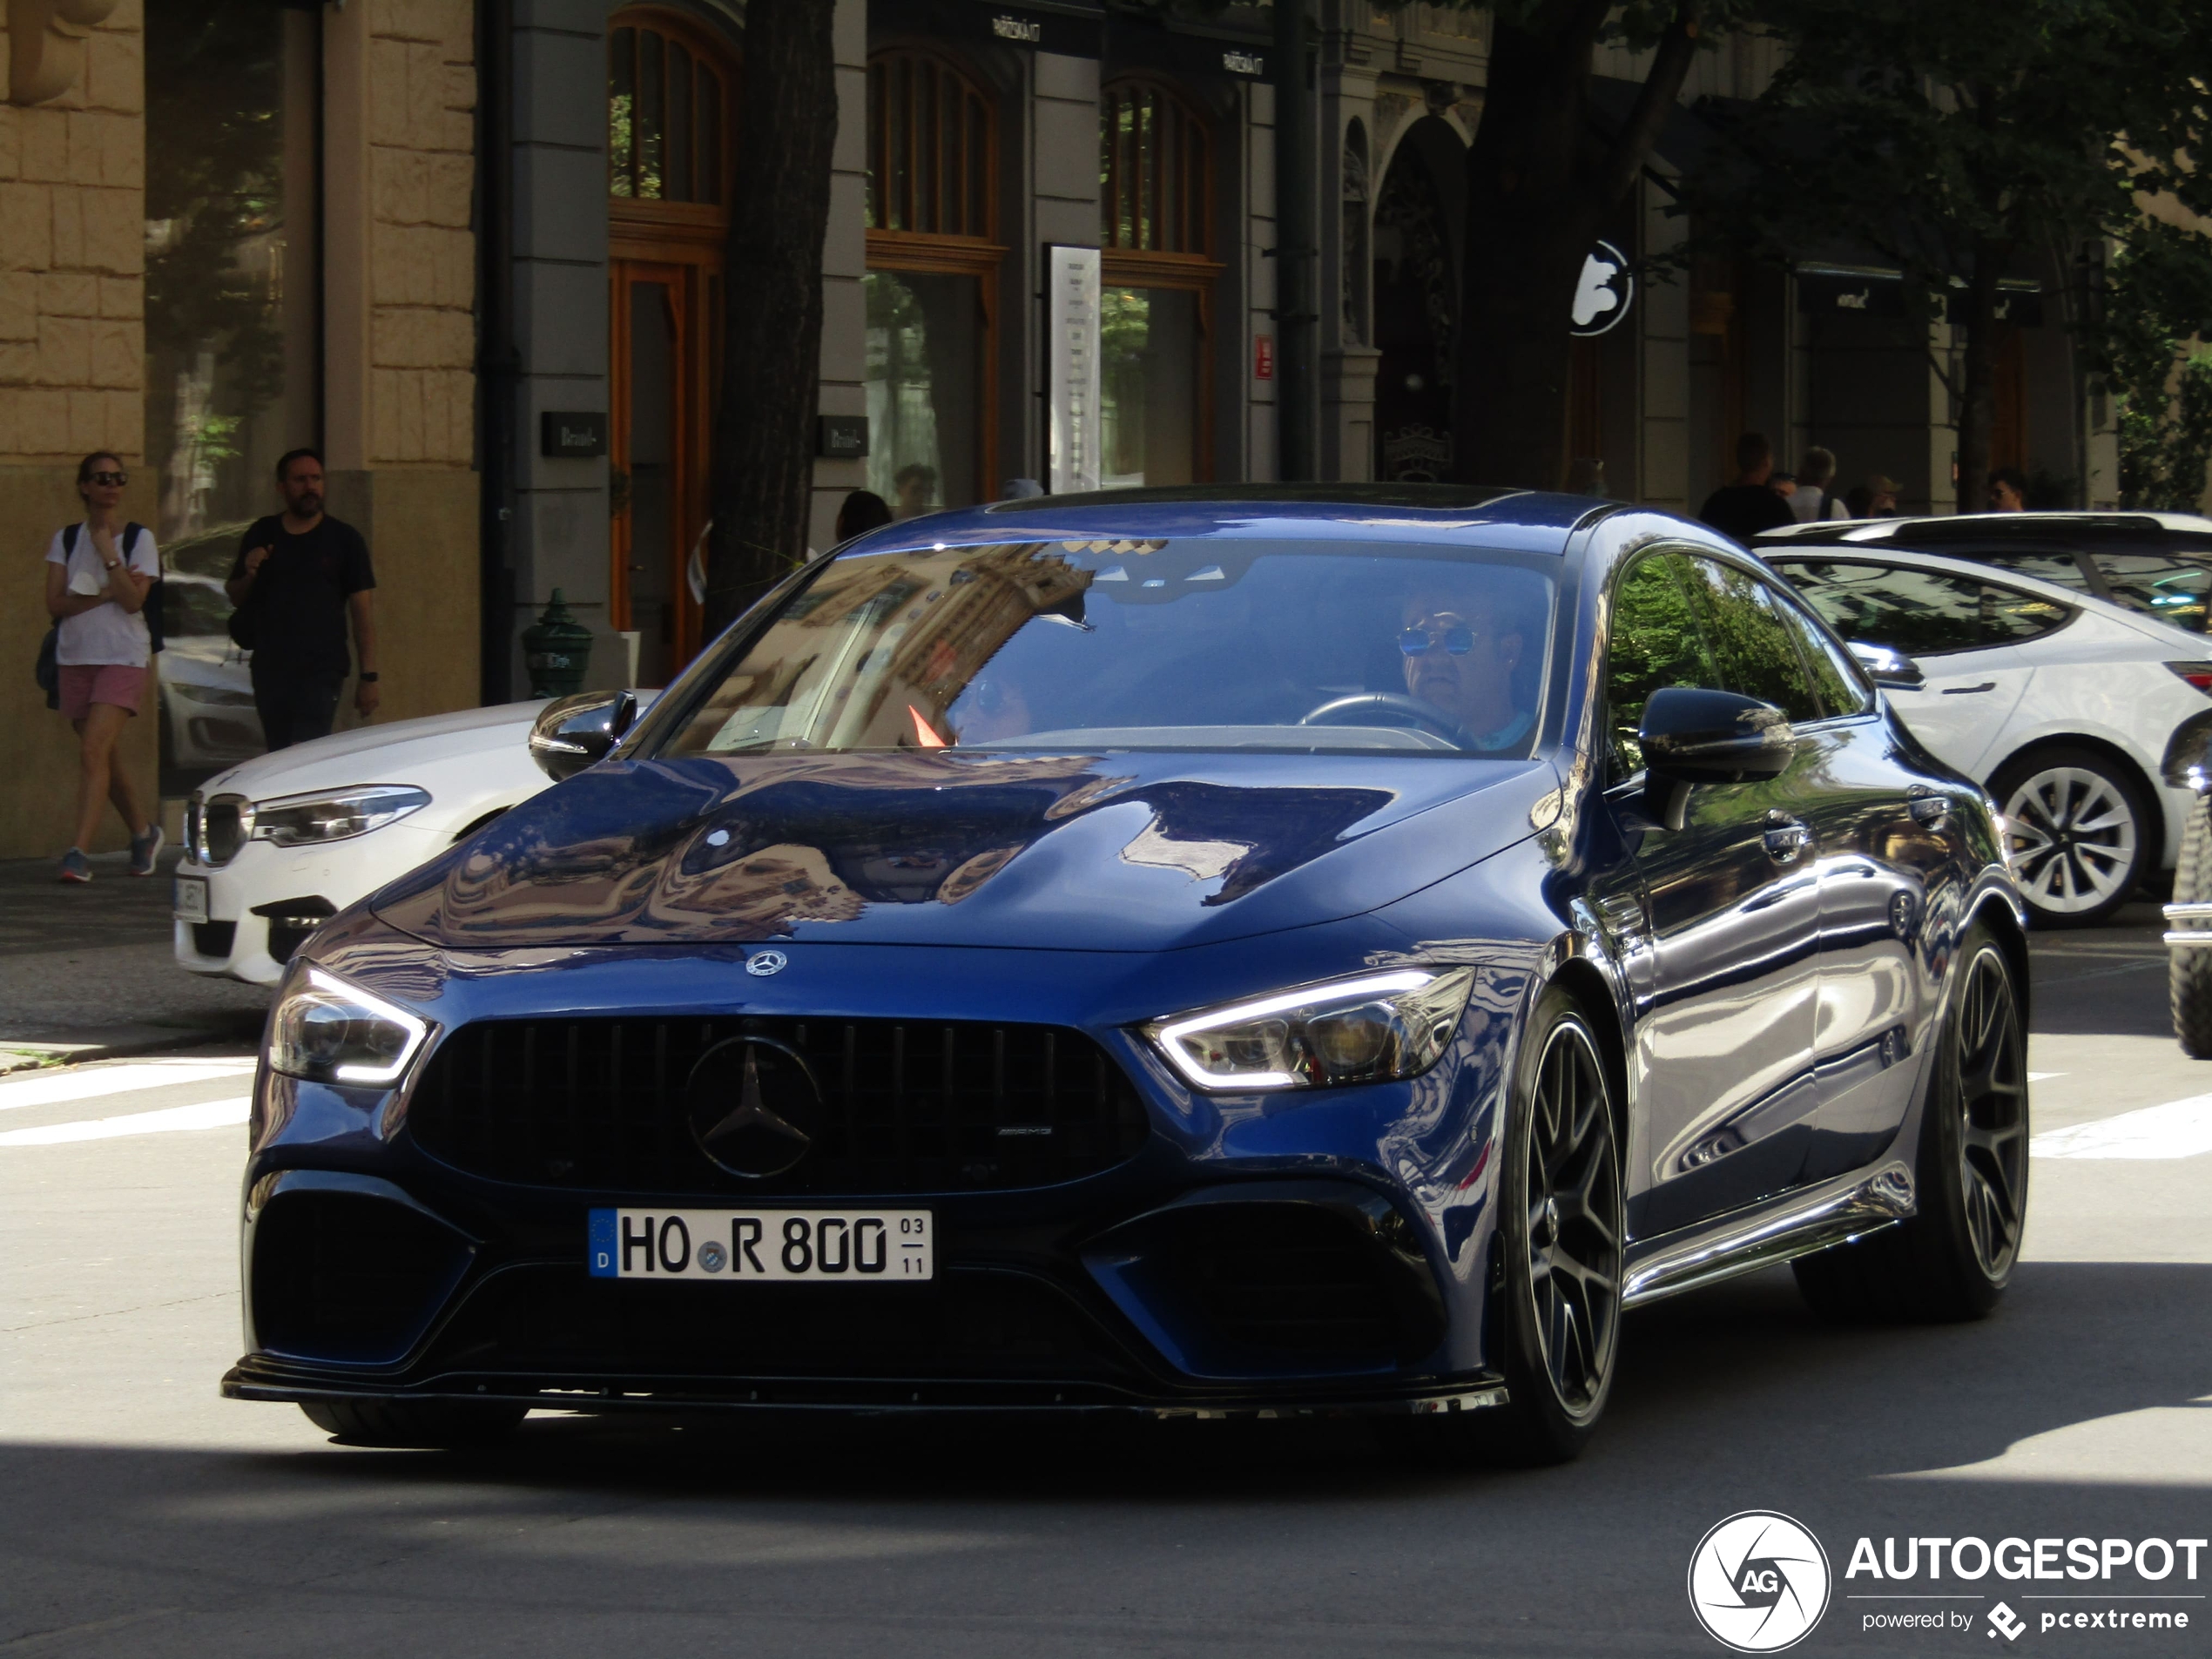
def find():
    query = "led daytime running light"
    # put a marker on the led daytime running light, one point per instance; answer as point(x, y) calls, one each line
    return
point(1169, 1034)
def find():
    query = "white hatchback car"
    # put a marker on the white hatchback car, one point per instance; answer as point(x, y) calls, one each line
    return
point(276, 846)
point(2059, 703)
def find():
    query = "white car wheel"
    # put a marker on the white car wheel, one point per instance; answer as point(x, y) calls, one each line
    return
point(2078, 836)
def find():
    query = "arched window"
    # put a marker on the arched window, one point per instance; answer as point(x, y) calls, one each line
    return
point(666, 137)
point(1156, 213)
point(932, 281)
point(671, 86)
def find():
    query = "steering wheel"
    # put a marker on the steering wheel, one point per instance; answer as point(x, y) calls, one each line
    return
point(1339, 711)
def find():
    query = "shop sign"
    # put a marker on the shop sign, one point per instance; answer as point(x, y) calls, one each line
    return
point(572, 435)
point(1262, 357)
point(841, 437)
point(1606, 291)
point(1072, 436)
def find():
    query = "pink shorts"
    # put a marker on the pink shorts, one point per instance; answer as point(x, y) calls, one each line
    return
point(85, 683)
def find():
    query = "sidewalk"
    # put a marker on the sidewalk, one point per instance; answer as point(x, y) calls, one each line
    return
point(86, 973)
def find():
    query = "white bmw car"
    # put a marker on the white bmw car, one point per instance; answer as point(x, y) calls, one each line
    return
point(276, 846)
point(2059, 703)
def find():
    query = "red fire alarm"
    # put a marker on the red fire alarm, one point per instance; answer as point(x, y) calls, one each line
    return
point(1262, 357)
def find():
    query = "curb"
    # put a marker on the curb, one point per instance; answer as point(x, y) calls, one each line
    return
point(116, 1043)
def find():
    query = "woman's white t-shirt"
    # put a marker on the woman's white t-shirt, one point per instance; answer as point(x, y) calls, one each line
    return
point(107, 633)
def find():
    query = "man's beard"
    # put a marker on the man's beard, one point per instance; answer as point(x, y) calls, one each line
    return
point(307, 506)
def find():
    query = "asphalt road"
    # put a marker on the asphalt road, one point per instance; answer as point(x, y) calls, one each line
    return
point(144, 1515)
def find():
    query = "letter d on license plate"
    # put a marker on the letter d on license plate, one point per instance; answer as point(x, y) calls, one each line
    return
point(833, 1247)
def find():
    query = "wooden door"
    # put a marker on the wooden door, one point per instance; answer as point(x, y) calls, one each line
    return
point(656, 443)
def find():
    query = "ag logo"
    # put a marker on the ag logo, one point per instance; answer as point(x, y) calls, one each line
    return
point(1758, 1582)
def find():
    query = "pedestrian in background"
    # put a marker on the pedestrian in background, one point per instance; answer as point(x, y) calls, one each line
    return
point(2009, 490)
point(1876, 498)
point(1746, 506)
point(98, 573)
point(298, 576)
point(1814, 499)
point(863, 510)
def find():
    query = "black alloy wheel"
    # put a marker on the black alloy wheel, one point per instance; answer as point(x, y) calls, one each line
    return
point(1572, 1232)
point(1953, 1258)
point(1562, 1230)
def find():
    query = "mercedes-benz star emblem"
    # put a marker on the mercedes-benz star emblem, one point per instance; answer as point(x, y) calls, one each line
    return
point(762, 963)
point(753, 1106)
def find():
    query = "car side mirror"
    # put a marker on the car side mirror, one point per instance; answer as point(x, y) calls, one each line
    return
point(1887, 666)
point(2188, 760)
point(573, 732)
point(1691, 735)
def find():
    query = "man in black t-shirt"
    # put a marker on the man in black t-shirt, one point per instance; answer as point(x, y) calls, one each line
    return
point(1749, 505)
point(301, 574)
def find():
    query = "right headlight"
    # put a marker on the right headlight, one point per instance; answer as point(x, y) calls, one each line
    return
point(1375, 1028)
point(331, 814)
point(330, 1031)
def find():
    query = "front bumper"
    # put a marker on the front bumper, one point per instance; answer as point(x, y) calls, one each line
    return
point(255, 901)
point(1276, 1255)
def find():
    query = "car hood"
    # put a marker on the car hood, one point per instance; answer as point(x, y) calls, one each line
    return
point(382, 754)
point(1126, 852)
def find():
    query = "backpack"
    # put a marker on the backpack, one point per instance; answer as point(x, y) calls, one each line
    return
point(48, 672)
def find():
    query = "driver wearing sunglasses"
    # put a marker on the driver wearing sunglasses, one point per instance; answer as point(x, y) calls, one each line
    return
point(1460, 657)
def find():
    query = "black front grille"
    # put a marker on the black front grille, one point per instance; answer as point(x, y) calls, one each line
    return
point(213, 938)
point(340, 1275)
point(599, 1104)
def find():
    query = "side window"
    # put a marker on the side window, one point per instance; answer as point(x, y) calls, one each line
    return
point(2008, 614)
point(1840, 684)
point(1753, 647)
point(2171, 589)
point(1656, 639)
point(2056, 565)
point(1919, 612)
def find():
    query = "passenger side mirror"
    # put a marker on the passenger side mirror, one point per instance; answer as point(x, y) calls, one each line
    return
point(1887, 666)
point(1693, 735)
point(573, 732)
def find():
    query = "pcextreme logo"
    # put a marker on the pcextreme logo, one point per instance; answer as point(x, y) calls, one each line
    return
point(1759, 1581)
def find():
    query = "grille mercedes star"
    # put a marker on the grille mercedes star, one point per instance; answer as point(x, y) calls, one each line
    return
point(599, 1104)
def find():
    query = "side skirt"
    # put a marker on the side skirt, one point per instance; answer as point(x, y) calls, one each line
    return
point(1777, 1230)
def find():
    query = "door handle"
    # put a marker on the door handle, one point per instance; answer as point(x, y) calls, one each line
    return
point(1968, 690)
point(1785, 838)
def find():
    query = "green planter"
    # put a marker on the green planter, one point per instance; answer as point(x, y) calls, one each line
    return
point(557, 650)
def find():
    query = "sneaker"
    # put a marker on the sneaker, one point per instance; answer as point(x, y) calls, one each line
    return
point(76, 867)
point(145, 849)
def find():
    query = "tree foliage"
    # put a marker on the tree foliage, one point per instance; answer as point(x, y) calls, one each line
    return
point(1963, 146)
point(2154, 345)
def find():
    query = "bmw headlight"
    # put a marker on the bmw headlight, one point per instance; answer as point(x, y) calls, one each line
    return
point(1375, 1028)
point(334, 815)
point(216, 696)
point(330, 1032)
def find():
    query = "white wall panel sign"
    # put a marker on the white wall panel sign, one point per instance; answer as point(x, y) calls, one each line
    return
point(1072, 436)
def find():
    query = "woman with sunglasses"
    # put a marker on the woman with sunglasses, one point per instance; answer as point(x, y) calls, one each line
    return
point(96, 588)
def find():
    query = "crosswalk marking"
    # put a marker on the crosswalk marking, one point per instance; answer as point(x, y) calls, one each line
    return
point(2180, 1128)
point(60, 1088)
point(205, 1114)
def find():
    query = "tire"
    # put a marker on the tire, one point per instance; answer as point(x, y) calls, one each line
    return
point(1561, 1226)
point(1952, 1260)
point(2189, 974)
point(441, 1424)
point(2083, 832)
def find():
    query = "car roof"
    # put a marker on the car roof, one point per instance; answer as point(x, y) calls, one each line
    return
point(1982, 529)
point(1911, 558)
point(1531, 521)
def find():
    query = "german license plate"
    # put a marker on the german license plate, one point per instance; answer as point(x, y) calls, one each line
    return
point(764, 1246)
point(188, 897)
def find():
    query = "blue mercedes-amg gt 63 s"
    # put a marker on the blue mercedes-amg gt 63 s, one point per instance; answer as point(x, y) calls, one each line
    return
point(1209, 952)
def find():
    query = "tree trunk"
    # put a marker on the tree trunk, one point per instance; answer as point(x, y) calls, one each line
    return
point(763, 433)
point(1540, 185)
point(1978, 378)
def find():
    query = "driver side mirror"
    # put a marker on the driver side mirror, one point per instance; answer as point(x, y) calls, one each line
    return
point(1887, 666)
point(573, 732)
point(1693, 735)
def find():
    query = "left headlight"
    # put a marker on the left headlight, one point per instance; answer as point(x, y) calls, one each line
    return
point(334, 815)
point(1375, 1028)
point(330, 1031)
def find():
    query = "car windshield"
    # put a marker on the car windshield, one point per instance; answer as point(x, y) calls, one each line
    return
point(1306, 646)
